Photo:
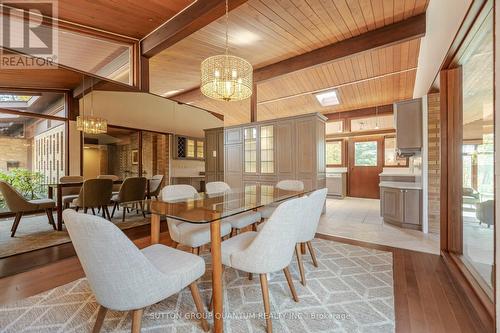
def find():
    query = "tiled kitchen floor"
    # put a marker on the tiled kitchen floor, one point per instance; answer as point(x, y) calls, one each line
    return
point(360, 219)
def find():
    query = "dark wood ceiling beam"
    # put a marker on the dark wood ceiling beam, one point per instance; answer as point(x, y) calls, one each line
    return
point(192, 19)
point(408, 29)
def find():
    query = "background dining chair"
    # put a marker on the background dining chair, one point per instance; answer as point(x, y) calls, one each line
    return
point(114, 178)
point(131, 191)
point(238, 221)
point(124, 278)
point(155, 186)
point(184, 233)
point(70, 193)
point(288, 185)
point(19, 205)
point(95, 193)
point(269, 250)
point(314, 207)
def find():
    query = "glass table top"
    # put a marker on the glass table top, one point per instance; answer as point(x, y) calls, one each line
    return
point(208, 208)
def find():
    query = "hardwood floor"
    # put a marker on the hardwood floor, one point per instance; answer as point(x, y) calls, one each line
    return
point(426, 296)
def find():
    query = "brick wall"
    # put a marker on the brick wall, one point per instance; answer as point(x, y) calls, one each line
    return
point(14, 150)
point(434, 176)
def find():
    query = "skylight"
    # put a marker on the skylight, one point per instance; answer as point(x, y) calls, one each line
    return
point(328, 98)
point(17, 101)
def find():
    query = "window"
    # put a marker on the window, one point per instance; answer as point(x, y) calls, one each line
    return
point(372, 123)
point(390, 155)
point(250, 146)
point(365, 153)
point(334, 153)
point(334, 127)
point(478, 160)
point(267, 149)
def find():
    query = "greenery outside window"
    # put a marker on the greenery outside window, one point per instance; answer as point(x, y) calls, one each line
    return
point(334, 154)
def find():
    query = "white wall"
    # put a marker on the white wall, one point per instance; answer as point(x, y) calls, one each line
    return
point(443, 21)
point(149, 112)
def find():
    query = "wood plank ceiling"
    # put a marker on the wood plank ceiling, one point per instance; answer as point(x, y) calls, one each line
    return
point(265, 32)
point(133, 19)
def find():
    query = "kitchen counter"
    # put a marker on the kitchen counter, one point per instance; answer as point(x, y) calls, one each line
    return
point(401, 185)
point(336, 170)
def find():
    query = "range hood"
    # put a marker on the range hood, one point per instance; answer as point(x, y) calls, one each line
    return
point(408, 122)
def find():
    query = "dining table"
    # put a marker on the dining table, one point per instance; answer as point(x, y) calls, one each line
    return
point(211, 210)
point(58, 186)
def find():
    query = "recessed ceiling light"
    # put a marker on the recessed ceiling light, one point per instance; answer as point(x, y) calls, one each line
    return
point(328, 98)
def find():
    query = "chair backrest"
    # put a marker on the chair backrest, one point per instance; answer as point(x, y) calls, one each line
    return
point(112, 177)
point(217, 187)
point(315, 204)
point(290, 185)
point(273, 248)
point(132, 189)
point(14, 200)
point(155, 184)
point(95, 193)
point(178, 192)
point(173, 193)
point(120, 276)
point(70, 179)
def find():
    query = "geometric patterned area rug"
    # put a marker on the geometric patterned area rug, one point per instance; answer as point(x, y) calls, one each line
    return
point(350, 291)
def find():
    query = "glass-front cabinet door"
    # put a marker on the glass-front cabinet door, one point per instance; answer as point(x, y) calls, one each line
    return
point(250, 149)
point(267, 149)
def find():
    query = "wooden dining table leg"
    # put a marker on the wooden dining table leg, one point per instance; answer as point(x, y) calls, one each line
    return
point(216, 275)
point(59, 207)
point(155, 228)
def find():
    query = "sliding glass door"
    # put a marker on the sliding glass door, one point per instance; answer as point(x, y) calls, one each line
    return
point(477, 149)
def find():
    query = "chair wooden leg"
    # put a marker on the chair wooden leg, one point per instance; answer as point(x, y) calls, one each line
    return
point(123, 215)
point(233, 230)
point(250, 276)
point(103, 212)
point(85, 210)
point(290, 284)
point(17, 219)
point(199, 305)
point(174, 244)
point(303, 248)
point(100, 319)
point(77, 208)
point(50, 216)
point(254, 226)
point(267, 305)
point(93, 211)
point(298, 252)
point(136, 320)
point(198, 249)
point(313, 255)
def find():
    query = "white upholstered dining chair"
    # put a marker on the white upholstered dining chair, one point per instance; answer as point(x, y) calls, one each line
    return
point(314, 204)
point(269, 250)
point(238, 221)
point(289, 185)
point(124, 278)
point(184, 233)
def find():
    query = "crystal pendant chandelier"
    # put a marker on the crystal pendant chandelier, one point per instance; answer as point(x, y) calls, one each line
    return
point(90, 124)
point(226, 77)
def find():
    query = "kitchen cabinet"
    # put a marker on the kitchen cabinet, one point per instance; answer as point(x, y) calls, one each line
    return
point(214, 154)
point(408, 121)
point(188, 148)
point(401, 206)
point(336, 184)
point(269, 151)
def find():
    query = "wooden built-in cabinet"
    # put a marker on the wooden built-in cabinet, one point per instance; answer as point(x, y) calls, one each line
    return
point(408, 121)
point(269, 151)
point(214, 154)
point(402, 207)
point(188, 148)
